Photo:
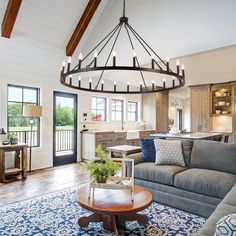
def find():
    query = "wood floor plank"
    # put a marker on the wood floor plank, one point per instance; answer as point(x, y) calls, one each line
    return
point(42, 182)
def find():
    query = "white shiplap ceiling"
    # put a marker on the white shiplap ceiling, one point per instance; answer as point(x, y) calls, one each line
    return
point(172, 27)
point(40, 35)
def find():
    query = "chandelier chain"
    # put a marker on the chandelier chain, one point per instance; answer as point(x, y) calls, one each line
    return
point(123, 8)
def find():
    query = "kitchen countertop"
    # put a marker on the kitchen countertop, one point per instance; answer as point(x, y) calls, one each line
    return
point(114, 131)
point(195, 136)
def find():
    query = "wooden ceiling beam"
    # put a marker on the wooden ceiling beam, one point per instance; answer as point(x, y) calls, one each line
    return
point(82, 26)
point(10, 16)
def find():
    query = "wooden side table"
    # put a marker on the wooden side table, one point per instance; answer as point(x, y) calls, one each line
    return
point(20, 166)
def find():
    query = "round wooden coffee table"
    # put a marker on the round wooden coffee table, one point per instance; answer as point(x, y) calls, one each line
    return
point(114, 207)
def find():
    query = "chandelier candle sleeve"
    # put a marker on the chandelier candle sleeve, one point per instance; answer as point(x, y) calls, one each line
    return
point(167, 64)
point(141, 86)
point(79, 82)
point(114, 86)
point(134, 59)
point(177, 65)
point(80, 60)
point(68, 65)
point(127, 86)
point(102, 84)
point(164, 83)
point(173, 82)
point(114, 59)
point(90, 84)
point(183, 74)
point(70, 79)
point(153, 85)
point(95, 58)
point(153, 61)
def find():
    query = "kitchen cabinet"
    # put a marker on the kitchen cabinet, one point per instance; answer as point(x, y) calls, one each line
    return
point(200, 108)
point(90, 139)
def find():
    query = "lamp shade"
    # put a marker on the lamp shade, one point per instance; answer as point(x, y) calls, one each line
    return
point(32, 111)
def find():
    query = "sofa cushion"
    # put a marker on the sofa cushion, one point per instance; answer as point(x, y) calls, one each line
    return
point(148, 150)
point(210, 226)
point(169, 152)
point(163, 174)
point(208, 182)
point(214, 156)
point(230, 198)
point(187, 146)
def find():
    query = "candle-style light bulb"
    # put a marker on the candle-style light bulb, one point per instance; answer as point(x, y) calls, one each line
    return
point(167, 63)
point(177, 64)
point(134, 58)
point(79, 81)
point(80, 59)
point(153, 61)
point(95, 58)
point(114, 58)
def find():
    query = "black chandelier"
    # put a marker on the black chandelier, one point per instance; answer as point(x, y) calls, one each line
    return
point(158, 66)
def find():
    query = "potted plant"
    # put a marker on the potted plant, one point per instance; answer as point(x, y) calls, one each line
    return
point(102, 167)
point(13, 139)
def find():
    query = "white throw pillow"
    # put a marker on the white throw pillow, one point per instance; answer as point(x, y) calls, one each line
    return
point(169, 152)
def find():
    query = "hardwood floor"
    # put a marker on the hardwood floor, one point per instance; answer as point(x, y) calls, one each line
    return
point(42, 182)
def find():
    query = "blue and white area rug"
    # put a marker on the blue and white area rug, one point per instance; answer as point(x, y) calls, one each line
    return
point(57, 214)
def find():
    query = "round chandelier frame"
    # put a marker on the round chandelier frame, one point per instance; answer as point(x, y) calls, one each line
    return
point(157, 66)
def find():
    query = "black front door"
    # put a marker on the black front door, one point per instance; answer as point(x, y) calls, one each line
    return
point(64, 128)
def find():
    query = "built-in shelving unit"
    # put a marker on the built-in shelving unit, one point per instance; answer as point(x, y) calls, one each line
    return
point(222, 102)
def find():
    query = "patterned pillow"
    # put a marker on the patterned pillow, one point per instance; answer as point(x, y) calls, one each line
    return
point(169, 152)
point(226, 226)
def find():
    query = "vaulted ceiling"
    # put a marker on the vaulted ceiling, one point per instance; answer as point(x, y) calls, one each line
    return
point(172, 27)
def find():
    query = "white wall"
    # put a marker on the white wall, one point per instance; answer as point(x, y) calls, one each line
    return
point(43, 156)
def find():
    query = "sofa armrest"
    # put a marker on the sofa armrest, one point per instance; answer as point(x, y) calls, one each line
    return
point(137, 157)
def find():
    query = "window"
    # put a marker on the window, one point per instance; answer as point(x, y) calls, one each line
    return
point(18, 97)
point(117, 112)
point(99, 109)
point(132, 111)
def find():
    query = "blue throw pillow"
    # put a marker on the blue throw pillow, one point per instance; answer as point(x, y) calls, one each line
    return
point(148, 150)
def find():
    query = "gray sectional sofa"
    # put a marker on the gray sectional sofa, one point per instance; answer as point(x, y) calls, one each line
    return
point(206, 186)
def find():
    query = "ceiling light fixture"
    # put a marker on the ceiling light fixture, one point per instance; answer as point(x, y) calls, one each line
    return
point(172, 80)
